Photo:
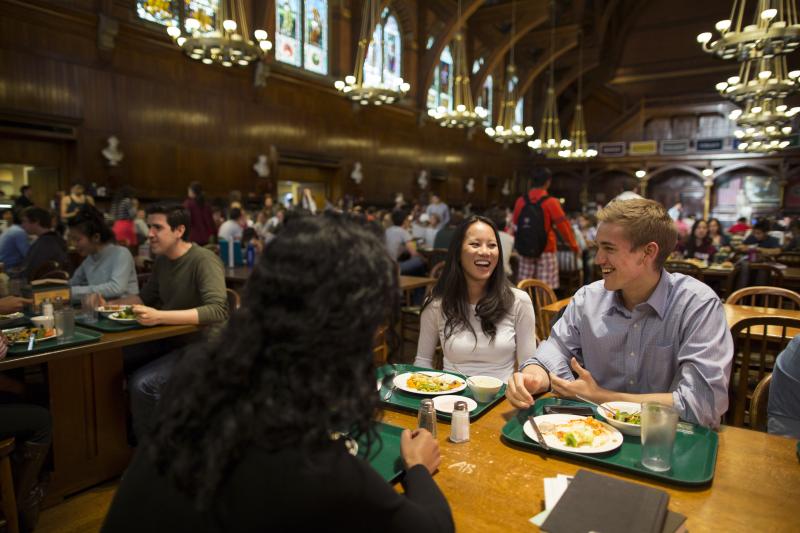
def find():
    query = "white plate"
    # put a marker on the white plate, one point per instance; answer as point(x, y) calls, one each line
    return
point(401, 383)
point(446, 404)
point(115, 317)
point(14, 330)
point(553, 441)
point(105, 311)
point(629, 407)
point(12, 316)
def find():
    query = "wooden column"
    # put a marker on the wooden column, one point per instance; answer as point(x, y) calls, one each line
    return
point(708, 183)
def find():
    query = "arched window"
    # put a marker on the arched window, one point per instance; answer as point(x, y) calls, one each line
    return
point(519, 111)
point(178, 12)
point(389, 62)
point(485, 99)
point(301, 36)
point(440, 93)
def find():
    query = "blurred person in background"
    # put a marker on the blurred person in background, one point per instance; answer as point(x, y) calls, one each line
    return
point(123, 211)
point(203, 226)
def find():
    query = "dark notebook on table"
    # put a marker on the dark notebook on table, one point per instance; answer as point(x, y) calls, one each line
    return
point(594, 502)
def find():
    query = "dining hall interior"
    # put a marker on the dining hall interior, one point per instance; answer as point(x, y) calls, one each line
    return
point(485, 265)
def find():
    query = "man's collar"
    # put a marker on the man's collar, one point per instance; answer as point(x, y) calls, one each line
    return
point(657, 301)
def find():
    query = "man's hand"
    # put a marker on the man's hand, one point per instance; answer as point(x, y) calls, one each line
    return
point(584, 386)
point(523, 385)
point(12, 304)
point(147, 316)
point(420, 448)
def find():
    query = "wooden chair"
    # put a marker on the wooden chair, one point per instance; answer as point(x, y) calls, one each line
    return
point(757, 341)
point(541, 295)
point(234, 301)
point(758, 405)
point(410, 314)
point(380, 347)
point(8, 500)
point(54, 274)
point(791, 259)
point(45, 268)
point(685, 267)
point(765, 296)
point(759, 274)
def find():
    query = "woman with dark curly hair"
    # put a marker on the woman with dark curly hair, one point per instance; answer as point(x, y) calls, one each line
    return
point(245, 437)
point(483, 324)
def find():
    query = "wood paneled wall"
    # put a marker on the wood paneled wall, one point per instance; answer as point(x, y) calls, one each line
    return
point(179, 120)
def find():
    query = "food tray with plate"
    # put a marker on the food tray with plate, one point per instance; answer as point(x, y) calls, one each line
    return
point(693, 460)
point(13, 320)
point(81, 336)
point(107, 325)
point(384, 456)
point(409, 401)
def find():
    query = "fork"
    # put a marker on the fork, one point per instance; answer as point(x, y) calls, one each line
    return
point(389, 377)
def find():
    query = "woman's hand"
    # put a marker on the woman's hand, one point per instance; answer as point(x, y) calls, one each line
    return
point(420, 448)
point(12, 304)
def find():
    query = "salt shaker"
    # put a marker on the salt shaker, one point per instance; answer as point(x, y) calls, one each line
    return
point(47, 308)
point(459, 423)
point(426, 416)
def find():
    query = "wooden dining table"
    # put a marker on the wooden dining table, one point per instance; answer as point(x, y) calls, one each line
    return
point(88, 406)
point(493, 486)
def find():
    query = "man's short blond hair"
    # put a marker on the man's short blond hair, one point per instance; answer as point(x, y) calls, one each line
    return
point(643, 221)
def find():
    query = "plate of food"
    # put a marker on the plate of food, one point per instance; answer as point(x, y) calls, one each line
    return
point(107, 309)
point(572, 433)
point(627, 416)
point(11, 316)
point(126, 316)
point(429, 382)
point(23, 335)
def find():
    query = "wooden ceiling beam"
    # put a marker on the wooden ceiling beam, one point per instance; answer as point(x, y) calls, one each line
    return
point(563, 46)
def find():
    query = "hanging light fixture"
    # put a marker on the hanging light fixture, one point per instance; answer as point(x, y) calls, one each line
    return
point(464, 113)
point(775, 30)
point(764, 125)
point(550, 141)
point(761, 77)
point(222, 39)
point(367, 89)
point(507, 131)
point(579, 145)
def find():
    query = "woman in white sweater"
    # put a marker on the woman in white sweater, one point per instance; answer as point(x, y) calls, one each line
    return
point(484, 325)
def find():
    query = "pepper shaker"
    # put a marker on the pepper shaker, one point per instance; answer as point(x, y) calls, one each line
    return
point(426, 416)
point(459, 423)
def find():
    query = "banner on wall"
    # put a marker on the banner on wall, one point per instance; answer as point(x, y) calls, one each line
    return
point(616, 149)
point(710, 145)
point(643, 147)
point(674, 146)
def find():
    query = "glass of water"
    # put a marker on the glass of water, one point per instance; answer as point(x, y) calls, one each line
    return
point(89, 303)
point(65, 323)
point(659, 424)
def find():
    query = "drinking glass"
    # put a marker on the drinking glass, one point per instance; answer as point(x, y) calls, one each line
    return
point(65, 323)
point(659, 424)
point(89, 303)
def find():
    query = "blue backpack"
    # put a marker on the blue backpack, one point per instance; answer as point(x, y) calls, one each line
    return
point(531, 236)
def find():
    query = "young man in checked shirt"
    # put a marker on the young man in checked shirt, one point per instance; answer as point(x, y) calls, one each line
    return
point(640, 334)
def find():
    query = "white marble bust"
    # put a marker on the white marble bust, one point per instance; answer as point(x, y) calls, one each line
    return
point(112, 153)
point(261, 166)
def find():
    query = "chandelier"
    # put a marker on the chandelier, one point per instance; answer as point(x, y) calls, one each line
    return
point(550, 141)
point(763, 125)
point(761, 77)
point(218, 40)
point(774, 31)
point(507, 131)
point(464, 113)
point(579, 146)
point(375, 90)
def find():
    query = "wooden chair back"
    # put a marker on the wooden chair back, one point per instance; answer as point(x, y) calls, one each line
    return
point(44, 268)
point(775, 297)
point(54, 274)
point(758, 406)
point(380, 347)
point(684, 267)
point(759, 274)
point(791, 259)
point(757, 341)
point(234, 301)
point(541, 295)
point(8, 500)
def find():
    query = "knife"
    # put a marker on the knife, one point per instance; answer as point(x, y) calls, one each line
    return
point(539, 435)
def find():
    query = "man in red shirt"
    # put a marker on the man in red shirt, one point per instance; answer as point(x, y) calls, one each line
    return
point(741, 226)
point(545, 267)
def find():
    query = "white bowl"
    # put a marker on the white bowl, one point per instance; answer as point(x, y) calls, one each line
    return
point(484, 388)
point(42, 321)
point(628, 407)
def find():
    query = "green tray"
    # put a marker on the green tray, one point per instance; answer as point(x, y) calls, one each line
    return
point(410, 402)
point(693, 459)
point(108, 326)
point(385, 455)
point(82, 336)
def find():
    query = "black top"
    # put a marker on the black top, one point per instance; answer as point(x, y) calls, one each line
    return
point(49, 246)
point(281, 491)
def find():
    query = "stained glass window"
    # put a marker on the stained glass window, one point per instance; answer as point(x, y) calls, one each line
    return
point(440, 93)
point(387, 37)
point(519, 112)
point(159, 11)
point(301, 38)
point(485, 99)
point(203, 11)
point(287, 35)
